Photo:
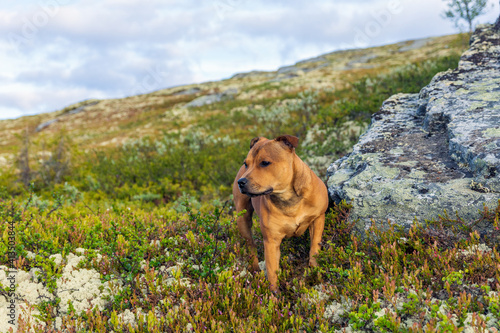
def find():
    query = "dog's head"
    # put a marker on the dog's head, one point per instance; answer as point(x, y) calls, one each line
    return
point(268, 166)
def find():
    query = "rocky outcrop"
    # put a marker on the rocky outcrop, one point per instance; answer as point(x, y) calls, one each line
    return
point(433, 151)
point(190, 91)
point(74, 109)
point(213, 98)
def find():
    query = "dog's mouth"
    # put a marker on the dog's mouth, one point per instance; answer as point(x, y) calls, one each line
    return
point(253, 195)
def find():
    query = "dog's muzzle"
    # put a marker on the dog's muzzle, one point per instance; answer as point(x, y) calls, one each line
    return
point(242, 184)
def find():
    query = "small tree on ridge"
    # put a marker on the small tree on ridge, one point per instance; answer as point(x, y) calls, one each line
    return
point(467, 10)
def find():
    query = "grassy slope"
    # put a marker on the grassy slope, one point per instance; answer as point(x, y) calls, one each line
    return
point(155, 201)
point(266, 104)
point(113, 121)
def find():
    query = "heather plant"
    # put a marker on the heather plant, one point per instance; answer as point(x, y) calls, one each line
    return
point(364, 316)
point(389, 322)
point(209, 251)
point(494, 305)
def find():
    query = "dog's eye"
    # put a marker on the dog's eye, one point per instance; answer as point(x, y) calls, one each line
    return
point(245, 164)
point(264, 163)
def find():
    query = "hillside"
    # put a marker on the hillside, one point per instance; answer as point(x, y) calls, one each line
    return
point(110, 122)
point(326, 101)
point(118, 214)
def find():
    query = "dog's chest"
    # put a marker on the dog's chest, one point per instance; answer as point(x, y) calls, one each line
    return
point(298, 225)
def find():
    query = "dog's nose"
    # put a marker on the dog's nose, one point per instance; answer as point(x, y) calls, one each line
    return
point(242, 182)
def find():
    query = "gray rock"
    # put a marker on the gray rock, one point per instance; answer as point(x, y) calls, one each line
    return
point(213, 98)
point(252, 74)
point(416, 44)
point(204, 100)
point(315, 61)
point(81, 108)
point(71, 110)
point(305, 66)
point(230, 92)
point(361, 62)
point(46, 124)
point(429, 152)
point(190, 91)
point(288, 70)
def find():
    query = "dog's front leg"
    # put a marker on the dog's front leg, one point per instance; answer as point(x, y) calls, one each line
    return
point(272, 254)
point(245, 227)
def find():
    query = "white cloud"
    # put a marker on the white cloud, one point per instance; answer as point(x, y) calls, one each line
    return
point(57, 52)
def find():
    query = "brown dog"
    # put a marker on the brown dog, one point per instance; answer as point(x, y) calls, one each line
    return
point(286, 195)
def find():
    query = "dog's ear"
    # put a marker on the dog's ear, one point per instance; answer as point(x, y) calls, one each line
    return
point(289, 140)
point(254, 141)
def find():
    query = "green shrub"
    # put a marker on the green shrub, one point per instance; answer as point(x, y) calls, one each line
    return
point(168, 167)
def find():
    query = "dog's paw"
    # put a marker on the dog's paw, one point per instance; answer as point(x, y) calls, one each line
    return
point(254, 266)
point(313, 262)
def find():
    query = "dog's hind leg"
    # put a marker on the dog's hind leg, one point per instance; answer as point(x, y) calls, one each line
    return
point(315, 233)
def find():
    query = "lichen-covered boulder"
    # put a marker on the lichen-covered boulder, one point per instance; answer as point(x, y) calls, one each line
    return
point(429, 152)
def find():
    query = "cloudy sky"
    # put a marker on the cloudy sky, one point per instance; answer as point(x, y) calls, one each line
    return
point(58, 52)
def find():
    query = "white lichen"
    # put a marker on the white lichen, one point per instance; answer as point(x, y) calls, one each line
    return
point(473, 249)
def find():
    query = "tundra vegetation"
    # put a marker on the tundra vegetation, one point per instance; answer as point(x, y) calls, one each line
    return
point(151, 219)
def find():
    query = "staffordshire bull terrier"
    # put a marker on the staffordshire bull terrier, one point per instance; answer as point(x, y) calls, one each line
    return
point(286, 195)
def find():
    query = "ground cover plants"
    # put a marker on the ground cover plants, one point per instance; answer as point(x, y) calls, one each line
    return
point(180, 270)
point(141, 236)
